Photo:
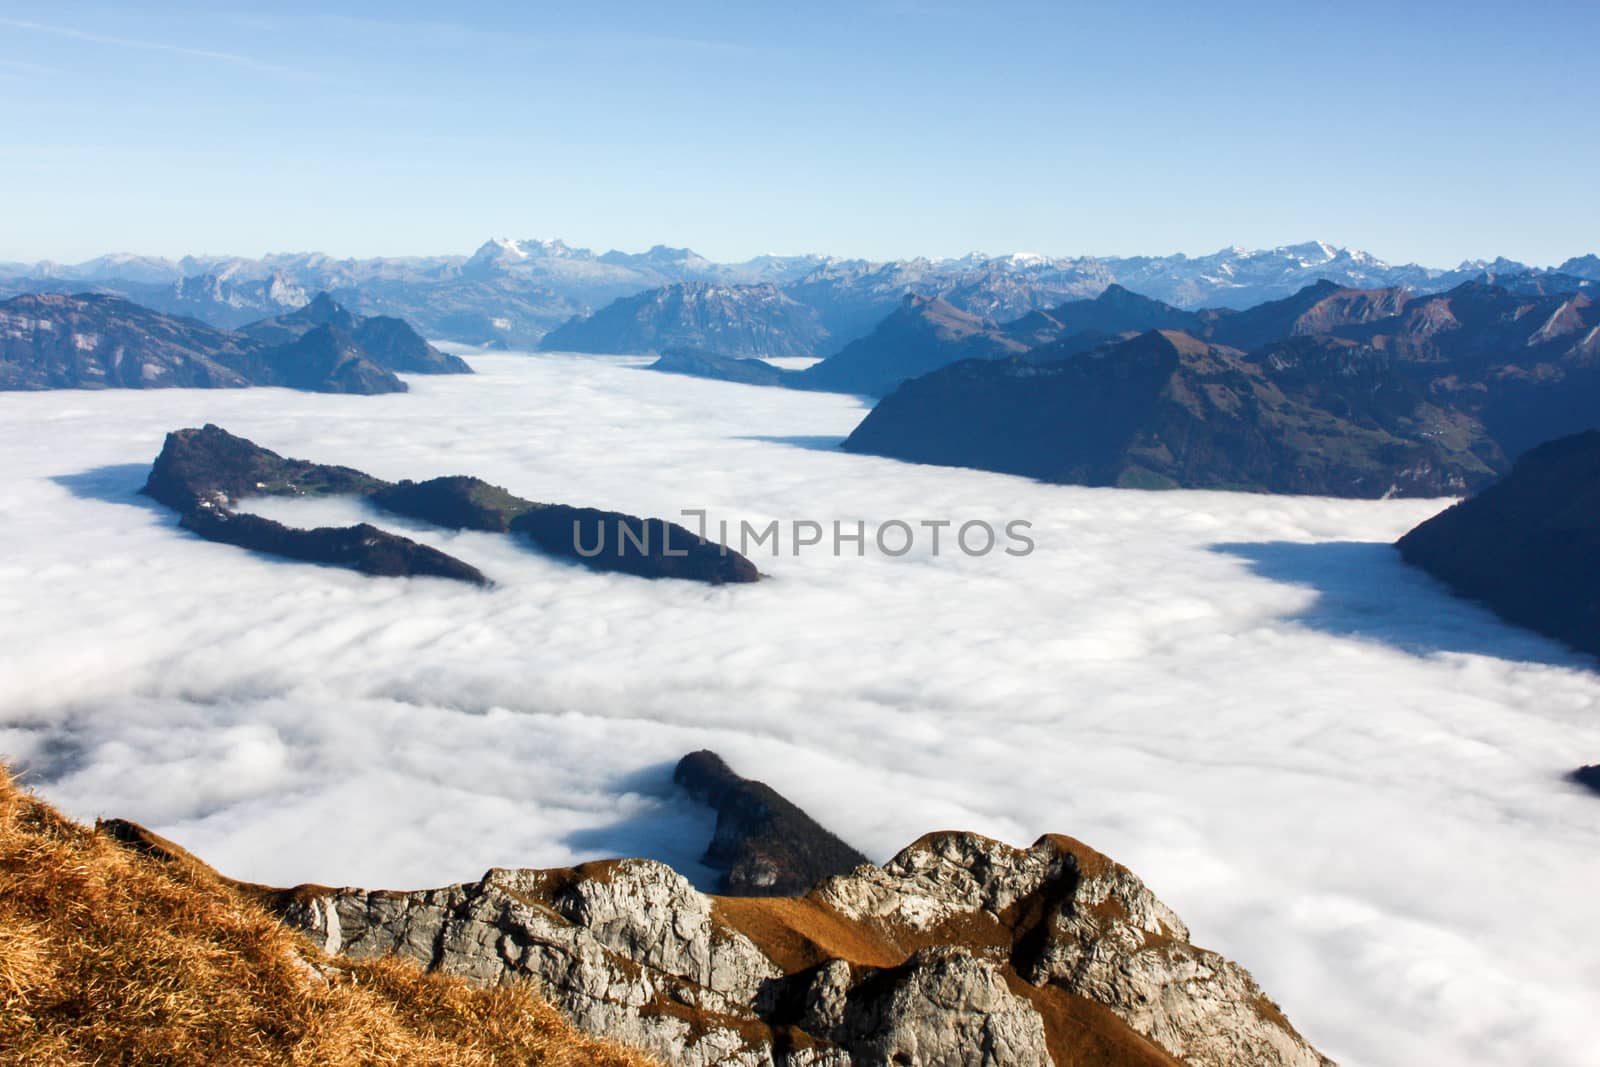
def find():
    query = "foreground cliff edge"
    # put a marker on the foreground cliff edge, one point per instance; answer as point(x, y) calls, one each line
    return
point(960, 950)
point(115, 954)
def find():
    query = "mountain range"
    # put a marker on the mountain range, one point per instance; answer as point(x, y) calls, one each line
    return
point(511, 293)
point(1334, 391)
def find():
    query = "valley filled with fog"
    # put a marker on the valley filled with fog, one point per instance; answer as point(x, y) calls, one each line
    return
point(1338, 774)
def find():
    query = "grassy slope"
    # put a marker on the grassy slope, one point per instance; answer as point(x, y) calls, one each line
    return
point(109, 956)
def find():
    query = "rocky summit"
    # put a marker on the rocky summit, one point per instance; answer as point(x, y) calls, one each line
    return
point(204, 473)
point(960, 950)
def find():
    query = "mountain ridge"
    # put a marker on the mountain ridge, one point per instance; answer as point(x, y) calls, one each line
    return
point(95, 340)
point(510, 292)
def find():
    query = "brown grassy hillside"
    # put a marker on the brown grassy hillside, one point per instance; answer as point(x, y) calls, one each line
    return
point(109, 956)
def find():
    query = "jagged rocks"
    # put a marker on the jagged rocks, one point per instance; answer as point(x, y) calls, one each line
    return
point(942, 1006)
point(625, 948)
point(961, 950)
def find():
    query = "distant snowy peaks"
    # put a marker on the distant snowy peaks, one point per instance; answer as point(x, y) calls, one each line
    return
point(1313, 253)
point(502, 248)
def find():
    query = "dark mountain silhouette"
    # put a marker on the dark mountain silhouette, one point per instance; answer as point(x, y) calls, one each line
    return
point(1164, 410)
point(600, 540)
point(1527, 545)
point(324, 359)
point(920, 335)
point(764, 845)
point(1357, 393)
point(204, 473)
point(388, 341)
point(698, 363)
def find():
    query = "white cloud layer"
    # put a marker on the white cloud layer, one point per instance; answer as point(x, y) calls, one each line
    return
point(1337, 773)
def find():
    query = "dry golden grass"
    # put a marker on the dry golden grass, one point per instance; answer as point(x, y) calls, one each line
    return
point(109, 956)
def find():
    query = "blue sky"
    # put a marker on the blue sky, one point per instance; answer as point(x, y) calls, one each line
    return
point(1419, 131)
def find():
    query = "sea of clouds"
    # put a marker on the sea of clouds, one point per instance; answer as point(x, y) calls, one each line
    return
point(1337, 773)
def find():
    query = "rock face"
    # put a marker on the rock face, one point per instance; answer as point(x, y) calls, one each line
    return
point(1526, 546)
point(763, 843)
point(204, 473)
point(1588, 776)
point(733, 320)
point(961, 950)
point(52, 341)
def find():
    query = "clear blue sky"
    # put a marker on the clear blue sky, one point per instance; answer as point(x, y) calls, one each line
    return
point(1420, 131)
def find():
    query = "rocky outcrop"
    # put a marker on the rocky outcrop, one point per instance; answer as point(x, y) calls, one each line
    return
point(204, 473)
point(1526, 546)
point(960, 950)
point(763, 844)
point(1588, 776)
